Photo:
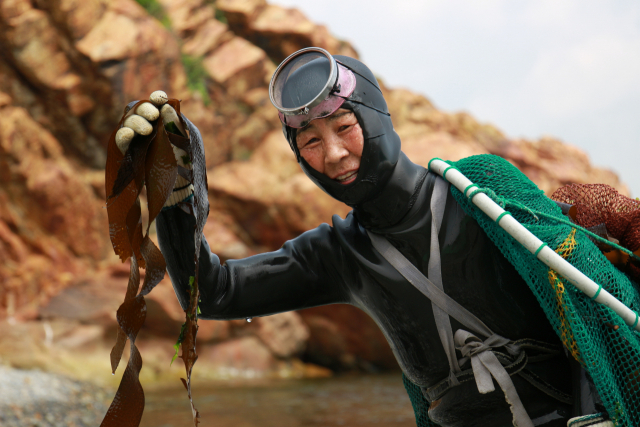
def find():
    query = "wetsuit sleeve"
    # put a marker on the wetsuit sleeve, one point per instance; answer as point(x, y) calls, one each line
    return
point(307, 271)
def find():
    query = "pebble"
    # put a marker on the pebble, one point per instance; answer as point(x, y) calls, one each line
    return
point(40, 399)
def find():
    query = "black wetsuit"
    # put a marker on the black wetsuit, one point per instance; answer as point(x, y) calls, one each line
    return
point(338, 264)
point(330, 265)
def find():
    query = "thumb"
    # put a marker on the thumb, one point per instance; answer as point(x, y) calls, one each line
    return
point(170, 116)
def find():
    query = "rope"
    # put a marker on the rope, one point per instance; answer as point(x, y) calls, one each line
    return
point(503, 203)
point(492, 195)
point(589, 233)
point(468, 187)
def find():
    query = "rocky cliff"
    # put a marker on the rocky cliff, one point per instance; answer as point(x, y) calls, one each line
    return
point(68, 67)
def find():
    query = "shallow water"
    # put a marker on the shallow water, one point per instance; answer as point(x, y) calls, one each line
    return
point(372, 400)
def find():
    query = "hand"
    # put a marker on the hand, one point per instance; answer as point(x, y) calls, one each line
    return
point(139, 122)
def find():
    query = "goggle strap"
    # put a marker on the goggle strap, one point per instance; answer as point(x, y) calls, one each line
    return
point(355, 72)
point(362, 103)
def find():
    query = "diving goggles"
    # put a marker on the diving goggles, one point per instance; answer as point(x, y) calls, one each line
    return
point(309, 84)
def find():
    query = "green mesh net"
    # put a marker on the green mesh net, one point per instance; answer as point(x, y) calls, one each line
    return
point(419, 403)
point(592, 333)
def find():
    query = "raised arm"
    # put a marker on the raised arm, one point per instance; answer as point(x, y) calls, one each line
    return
point(305, 272)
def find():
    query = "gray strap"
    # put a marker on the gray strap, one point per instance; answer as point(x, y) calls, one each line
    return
point(483, 361)
point(424, 285)
point(485, 365)
point(434, 273)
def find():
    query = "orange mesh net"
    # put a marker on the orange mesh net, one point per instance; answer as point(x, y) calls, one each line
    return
point(602, 204)
point(602, 210)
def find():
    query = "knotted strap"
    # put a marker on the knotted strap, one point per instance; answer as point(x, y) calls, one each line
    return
point(485, 365)
point(530, 351)
point(484, 362)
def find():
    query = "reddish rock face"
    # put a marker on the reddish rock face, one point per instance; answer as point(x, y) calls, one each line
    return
point(242, 355)
point(285, 334)
point(279, 31)
point(51, 226)
point(68, 68)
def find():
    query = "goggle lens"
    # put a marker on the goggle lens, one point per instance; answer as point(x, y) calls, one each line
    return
point(301, 81)
point(309, 84)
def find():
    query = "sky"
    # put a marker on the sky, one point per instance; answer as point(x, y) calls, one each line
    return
point(565, 68)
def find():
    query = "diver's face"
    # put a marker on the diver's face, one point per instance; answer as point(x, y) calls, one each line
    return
point(333, 145)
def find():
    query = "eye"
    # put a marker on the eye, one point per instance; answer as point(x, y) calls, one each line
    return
point(309, 143)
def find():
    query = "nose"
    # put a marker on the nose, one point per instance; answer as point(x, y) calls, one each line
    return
point(335, 149)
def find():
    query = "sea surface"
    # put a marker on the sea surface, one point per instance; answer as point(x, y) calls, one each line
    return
point(351, 400)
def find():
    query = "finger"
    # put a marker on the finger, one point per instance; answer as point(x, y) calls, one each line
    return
point(123, 138)
point(139, 124)
point(159, 97)
point(148, 111)
point(169, 115)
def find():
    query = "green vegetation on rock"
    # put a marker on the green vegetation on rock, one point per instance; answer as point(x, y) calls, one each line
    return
point(155, 9)
point(220, 16)
point(196, 76)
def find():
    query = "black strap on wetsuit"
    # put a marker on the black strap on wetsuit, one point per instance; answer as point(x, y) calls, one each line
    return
point(486, 361)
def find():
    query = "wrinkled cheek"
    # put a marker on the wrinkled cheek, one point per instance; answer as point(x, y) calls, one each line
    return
point(314, 160)
point(355, 141)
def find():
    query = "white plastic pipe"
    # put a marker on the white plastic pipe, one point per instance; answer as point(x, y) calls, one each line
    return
point(533, 244)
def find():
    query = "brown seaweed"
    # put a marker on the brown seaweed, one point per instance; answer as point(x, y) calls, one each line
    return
point(200, 211)
point(150, 162)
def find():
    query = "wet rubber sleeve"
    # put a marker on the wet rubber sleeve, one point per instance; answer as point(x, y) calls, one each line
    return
point(307, 271)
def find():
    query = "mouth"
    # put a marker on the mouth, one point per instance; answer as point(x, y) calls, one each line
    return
point(347, 178)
